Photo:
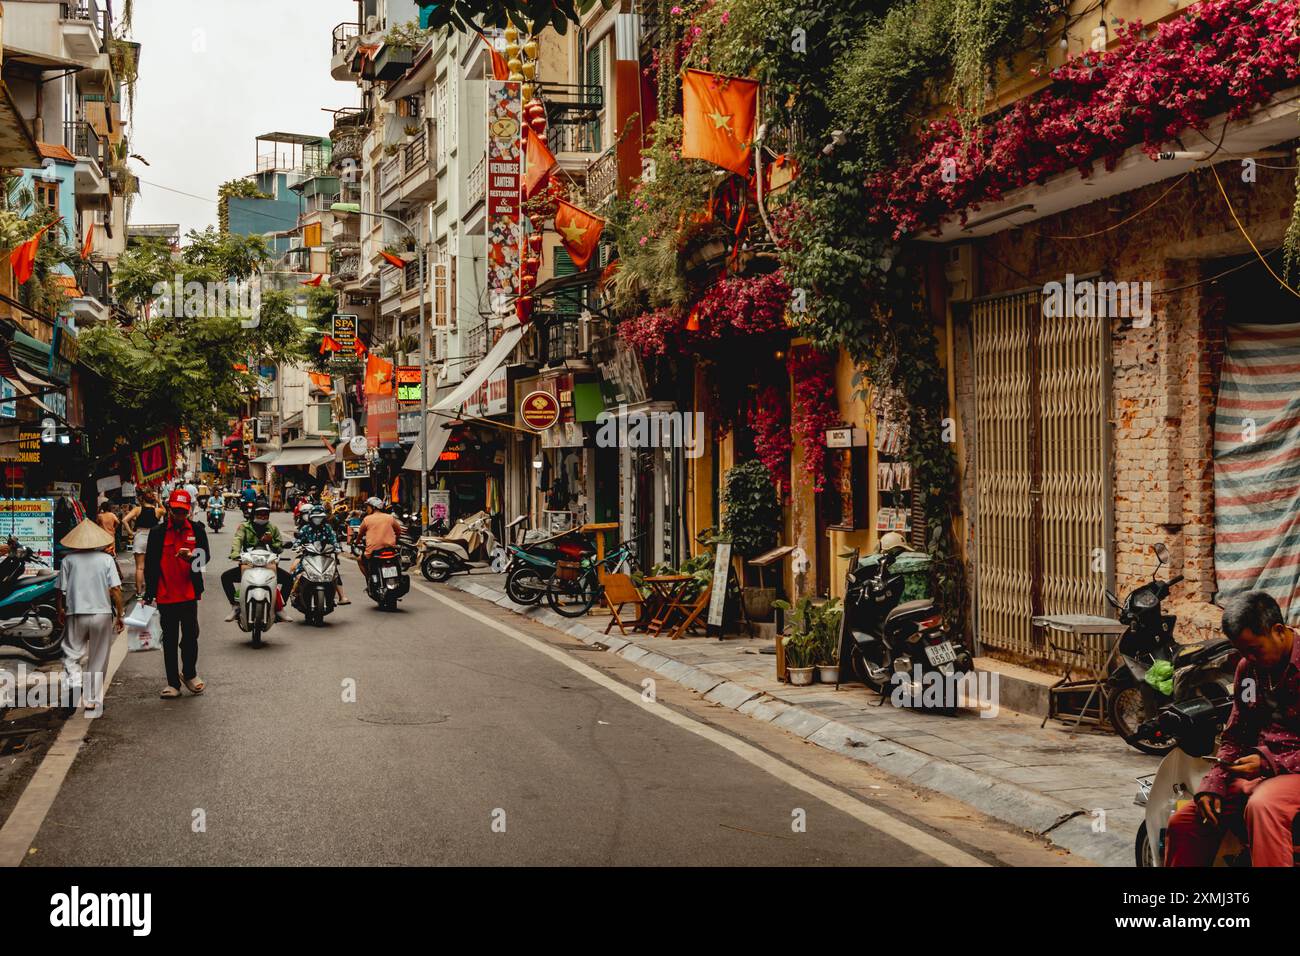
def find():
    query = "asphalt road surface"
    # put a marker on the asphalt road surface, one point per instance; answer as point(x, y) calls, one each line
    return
point(463, 746)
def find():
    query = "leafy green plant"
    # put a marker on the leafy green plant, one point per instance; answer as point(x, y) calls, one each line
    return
point(752, 512)
point(800, 649)
point(815, 630)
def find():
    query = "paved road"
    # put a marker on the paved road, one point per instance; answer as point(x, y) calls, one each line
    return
point(454, 722)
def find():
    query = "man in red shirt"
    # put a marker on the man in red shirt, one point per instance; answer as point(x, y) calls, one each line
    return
point(174, 558)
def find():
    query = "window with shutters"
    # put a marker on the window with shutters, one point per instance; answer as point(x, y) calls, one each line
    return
point(593, 74)
point(441, 287)
point(444, 124)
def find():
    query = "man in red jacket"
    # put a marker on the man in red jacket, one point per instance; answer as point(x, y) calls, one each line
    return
point(174, 558)
point(1257, 778)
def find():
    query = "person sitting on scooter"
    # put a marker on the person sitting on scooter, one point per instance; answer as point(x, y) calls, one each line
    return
point(318, 529)
point(378, 530)
point(1256, 779)
point(259, 532)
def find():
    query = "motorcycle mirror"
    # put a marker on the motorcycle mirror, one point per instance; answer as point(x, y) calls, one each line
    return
point(1112, 601)
point(1162, 552)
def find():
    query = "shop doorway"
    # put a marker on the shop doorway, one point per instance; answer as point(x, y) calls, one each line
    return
point(1044, 507)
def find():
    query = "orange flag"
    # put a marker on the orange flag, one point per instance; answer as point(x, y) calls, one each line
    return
point(23, 259)
point(500, 68)
point(394, 260)
point(540, 161)
point(359, 347)
point(315, 281)
point(89, 244)
point(718, 115)
point(579, 231)
point(329, 344)
point(379, 376)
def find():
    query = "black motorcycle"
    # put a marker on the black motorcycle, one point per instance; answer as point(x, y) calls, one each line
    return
point(314, 583)
point(887, 641)
point(386, 582)
point(1204, 669)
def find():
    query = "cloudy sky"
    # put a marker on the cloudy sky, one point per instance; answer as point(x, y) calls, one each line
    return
point(214, 75)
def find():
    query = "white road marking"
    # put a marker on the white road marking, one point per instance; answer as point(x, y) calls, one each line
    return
point(918, 839)
point(33, 806)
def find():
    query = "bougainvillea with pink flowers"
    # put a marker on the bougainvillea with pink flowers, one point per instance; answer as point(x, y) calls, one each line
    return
point(1220, 57)
point(769, 420)
point(813, 375)
point(736, 306)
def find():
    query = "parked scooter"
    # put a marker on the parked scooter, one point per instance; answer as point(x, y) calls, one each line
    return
point(28, 618)
point(386, 582)
point(1203, 669)
point(313, 585)
point(255, 612)
point(533, 561)
point(470, 546)
point(881, 637)
point(216, 513)
point(408, 542)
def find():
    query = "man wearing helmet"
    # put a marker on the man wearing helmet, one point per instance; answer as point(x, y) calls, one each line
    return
point(378, 530)
point(318, 529)
point(257, 532)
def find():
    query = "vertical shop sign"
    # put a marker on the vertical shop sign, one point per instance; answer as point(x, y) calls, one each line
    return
point(504, 225)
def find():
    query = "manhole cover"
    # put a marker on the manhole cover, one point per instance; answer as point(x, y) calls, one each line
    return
point(404, 719)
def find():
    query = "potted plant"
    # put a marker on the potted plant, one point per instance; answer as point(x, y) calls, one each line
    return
point(751, 518)
point(828, 617)
point(800, 652)
point(813, 642)
point(411, 129)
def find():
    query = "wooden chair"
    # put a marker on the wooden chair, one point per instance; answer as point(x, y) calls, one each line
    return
point(620, 592)
point(692, 611)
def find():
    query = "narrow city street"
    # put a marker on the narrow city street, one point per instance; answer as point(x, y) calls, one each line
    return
point(455, 722)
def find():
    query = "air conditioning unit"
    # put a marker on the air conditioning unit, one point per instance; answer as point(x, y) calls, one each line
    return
point(438, 346)
point(959, 270)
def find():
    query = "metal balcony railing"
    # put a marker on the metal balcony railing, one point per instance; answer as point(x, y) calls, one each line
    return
point(602, 177)
point(574, 138)
point(82, 140)
point(344, 33)
point(390, 174)
point(96, 282)
point(476, 344)
point(411, 276)
point(416, 153)
point(476, 187)
point(569, 103)
point(81, 10)
point(561, 338)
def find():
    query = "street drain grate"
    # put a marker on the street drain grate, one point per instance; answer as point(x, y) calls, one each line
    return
point(404, 719)
point(13, 745)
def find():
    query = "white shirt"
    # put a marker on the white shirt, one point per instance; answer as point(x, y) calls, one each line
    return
point(85, 578)
point(194, 499)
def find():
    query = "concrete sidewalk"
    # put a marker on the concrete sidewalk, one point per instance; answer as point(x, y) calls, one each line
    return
point(1076, 791)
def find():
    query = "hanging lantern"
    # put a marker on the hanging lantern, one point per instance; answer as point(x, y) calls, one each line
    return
point(530, 48)
point(535, 240)
point(528, 90)
point(693, 320)
point(511, 32)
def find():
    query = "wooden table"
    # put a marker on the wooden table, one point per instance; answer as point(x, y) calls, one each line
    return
point(667, 590)
point(1074, 627)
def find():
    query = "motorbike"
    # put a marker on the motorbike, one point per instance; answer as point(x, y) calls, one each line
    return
point(887, 640)
point(255, 612)
point(216, 514)
point(313, 585)
point(386, 582)
point(470, 546)
point(408, 542)
point(1203, 669)
point(534, 560)
point(28, 615)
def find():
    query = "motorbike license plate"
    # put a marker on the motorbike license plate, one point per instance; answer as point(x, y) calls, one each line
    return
point(389, 572)
point(943, 653)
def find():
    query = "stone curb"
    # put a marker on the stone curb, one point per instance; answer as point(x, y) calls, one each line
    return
point(1064, 825)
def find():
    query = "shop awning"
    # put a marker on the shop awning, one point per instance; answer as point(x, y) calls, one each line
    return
point(266, 459)
point(438, 436)
point(302, 457)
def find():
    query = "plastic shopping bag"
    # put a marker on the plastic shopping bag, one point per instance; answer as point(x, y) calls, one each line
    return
point(143, 629)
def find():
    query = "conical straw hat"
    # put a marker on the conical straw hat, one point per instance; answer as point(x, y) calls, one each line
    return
point(87, 536)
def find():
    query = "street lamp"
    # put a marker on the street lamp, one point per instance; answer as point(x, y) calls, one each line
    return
point(354, 209)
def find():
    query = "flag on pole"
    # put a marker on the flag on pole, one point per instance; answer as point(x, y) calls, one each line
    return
point(394, 260)
point(89, 244)
point(500, 68)
point(359, 347)
point(718, 115)
point(23, 259)
point(579, 231)
point(315, 281)
point(329, 344)
point(540, 161)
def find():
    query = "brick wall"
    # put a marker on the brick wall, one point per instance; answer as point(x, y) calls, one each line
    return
point(1165, 376)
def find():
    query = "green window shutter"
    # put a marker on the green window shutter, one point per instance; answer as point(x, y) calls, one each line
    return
point(596, 78)
point(570, 300)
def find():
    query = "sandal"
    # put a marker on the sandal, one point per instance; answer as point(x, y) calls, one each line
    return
point(195, 686)
point(169, 693)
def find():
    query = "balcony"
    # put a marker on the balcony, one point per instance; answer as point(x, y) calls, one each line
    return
point(91, 151)
point(561, 339)
point(346, 258)
point(345, 39)
point(83, 28)
point(95, 303)
point(476, 185)
point(392, 61)
point(602, 177)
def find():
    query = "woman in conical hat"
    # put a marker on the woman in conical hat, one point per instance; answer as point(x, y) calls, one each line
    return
point(90, 609)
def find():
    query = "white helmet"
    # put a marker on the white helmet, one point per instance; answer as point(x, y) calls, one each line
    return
point(891, 542)
point(376, 503)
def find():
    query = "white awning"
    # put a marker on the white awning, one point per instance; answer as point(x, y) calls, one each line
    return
point(438, 437)
point(298, 457)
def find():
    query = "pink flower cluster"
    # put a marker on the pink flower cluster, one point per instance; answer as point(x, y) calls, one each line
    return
point(813, 374)
point(769, 420)
point(1220, 57)
point(731, 307)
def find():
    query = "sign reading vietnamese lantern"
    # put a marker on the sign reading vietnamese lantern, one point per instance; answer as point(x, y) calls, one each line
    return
point(540, 410)
point(504, 226)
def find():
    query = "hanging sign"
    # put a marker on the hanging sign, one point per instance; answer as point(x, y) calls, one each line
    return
point(407, 379)
point(356, 468)
point(504, 225)
point(31, 521)
point(345, 332)
point(540, 410)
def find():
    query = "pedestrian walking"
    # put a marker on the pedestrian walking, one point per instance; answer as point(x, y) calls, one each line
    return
point(109, 521)
point(90, 611)
point(139, 521)
point(175, 554)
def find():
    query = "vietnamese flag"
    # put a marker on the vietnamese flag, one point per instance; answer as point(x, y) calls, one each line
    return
point(359, 347)
point(314, 282)
point(394, 260)
point(329, 344)
point(718, 116)
point(540, 161)
point(579, 231)
point(500, 68)
point(23, 259)
point(89, 244)
point(379, 376)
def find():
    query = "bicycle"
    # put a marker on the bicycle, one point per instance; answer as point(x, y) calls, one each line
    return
point(575, 586)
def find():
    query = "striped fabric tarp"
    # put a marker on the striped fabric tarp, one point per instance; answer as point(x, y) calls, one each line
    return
point(1257, 465)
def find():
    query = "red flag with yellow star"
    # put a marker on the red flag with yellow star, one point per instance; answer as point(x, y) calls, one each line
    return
point(579, 231)
point(718, 115)
point(540, 162)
